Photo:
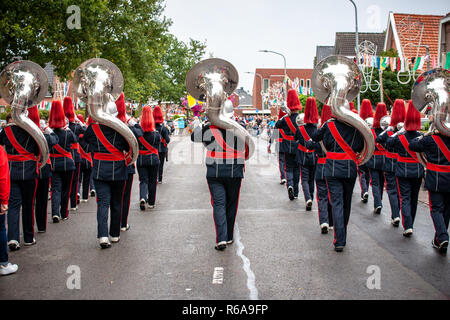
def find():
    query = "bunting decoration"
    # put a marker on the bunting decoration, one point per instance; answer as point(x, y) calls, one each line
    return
point(395, 63)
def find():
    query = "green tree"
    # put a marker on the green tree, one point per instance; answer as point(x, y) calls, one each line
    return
point(133, 34)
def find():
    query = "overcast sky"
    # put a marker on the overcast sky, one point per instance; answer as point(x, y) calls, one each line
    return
point(235, 30)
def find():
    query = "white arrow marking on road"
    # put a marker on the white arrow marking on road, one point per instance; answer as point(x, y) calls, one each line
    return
point(218, 275)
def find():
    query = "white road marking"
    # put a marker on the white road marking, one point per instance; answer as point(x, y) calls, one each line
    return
point(218, 275)
point(250, 275)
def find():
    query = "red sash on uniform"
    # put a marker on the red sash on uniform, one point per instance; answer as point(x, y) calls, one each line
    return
point(405, 144)
point(228, 152)
point(348, 154)
point(381, 151)
point(114, 154)
point(445, 151)
point(290, 125)
point(321, 160)
point(23, 155)
point(61, 153)
point(150, 149)
point(390, 155)
point(285, 136)
point(86, 156)
point(306, 138)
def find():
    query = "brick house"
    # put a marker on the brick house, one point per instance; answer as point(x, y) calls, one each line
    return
point(265, 78)
point(406, 31)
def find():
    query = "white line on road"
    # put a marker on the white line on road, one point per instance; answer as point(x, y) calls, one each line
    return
point(250, 275)
point(218, 275)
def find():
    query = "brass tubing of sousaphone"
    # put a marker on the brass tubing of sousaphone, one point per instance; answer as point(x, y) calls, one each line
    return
point(98, 82)
point(24, 84)
point(336, 80)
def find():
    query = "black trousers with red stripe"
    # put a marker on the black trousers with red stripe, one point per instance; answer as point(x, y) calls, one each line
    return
point(408, 191)
point(75, 185)
point(126, 200)
point(84, 182)
point(41, 203)
point(225, 201)
point(61, 183)
point(21, 194)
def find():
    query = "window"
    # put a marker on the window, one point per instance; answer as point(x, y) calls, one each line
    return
point(302, 82)
point(308, 83)
point(265, 85)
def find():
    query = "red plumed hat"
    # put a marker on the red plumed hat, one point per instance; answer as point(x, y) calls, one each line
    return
point(157, 115)
point(398, 112)
point(281, 114)
point(121, 110)
point(33, 114)
point(380, 112)
point(326, 114)
point(80, 117)
point(366, 110)
point(56, 119)
point(293, 103)
point(68, 109)
point(311, 113)
point(412, 121)
point(352, 106)
point(147, 122)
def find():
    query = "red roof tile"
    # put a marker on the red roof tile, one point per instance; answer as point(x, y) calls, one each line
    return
point(409, 29)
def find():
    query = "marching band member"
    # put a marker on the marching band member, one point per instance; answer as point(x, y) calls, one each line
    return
point(342, 142)
point(307, 158)
point(278, 139)
point(5, 266)
point(363, 171)
point(287, 127)
point(91, 184)
point(137, 131)
point(22, 151)
point(45, 173)
point(85, 166)
point(323, 200)
point(408, 170)
point(148, 160)
point(225, 170)
point(165, 139)
point(77, 129)
point(376, 163)
point(397, 116)
point(436, 146)
point(110, 174)
point(63, 165)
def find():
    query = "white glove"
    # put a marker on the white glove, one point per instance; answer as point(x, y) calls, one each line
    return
point(42, 124)
point(48, 130)
point(390, 128)
point(132, 122)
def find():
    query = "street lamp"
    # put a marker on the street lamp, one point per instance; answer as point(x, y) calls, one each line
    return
point(356, 41)
point(262, 87)
point(284, 58)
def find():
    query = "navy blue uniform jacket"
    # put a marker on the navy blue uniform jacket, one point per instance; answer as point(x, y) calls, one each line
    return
point(65, 140)
point(21, 170)
point(164, 132)
point(153, 138)
point(434, 180)
point(377, 160)
point(106, 170)
point(306, 158)
point(46, 171)
point(78, 130)
point(339, 168)
point(221, 168)
point(287, 146)
point(403, 169)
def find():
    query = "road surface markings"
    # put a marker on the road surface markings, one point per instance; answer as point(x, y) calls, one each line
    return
point(250, 275)
point(218, 275)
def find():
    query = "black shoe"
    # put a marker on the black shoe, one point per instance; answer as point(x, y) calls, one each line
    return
point(442, 247)
point(56, 219)
point(365, 197)
point(309, 204)
point(93, 193)
point(339, 248)
point(142, 204)
point(221, 245)
point(13, 245)
point(378, 210)
point(291, 193)
point(324, 230)
point(283, 181)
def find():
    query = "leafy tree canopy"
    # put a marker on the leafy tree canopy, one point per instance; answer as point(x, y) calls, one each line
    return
point(133, 34)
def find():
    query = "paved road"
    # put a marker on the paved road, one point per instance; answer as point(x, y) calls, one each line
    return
point(279, 252)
